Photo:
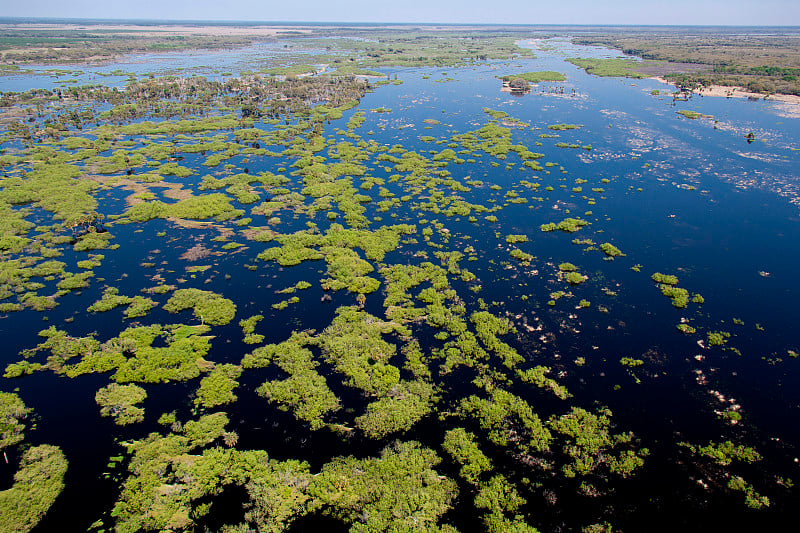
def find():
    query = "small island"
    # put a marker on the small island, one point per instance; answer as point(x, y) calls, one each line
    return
point(521, 83)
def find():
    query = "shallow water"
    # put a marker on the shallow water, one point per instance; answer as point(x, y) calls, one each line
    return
point(684, 197)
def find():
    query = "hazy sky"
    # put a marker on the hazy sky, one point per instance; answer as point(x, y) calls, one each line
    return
point(723, 12)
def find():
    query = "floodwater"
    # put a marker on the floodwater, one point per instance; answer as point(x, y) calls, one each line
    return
point(686, 197)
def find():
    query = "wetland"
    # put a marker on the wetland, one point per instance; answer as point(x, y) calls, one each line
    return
point(289, 279)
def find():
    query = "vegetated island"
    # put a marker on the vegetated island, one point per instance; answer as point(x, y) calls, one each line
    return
point(764, 62)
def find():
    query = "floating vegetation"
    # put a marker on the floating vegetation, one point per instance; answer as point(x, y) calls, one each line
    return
point(371, 331)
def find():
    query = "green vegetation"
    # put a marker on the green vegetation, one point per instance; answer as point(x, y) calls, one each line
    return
point(119, 401)
point(403, 406)
point(209, 307)
point(37, 484)
point(535, 77)
point(761, 63)
point(263, 171)
point(461, 446)
point(611, 67)
point(610, 250)
point(693, 115)
point(12, 413)
point(217, 387)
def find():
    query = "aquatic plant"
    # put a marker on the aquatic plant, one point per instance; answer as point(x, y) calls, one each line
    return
point(119, 401)
point(208, 306)
point(37, 483)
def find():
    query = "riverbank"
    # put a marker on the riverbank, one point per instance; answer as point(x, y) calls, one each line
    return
point(739, 92)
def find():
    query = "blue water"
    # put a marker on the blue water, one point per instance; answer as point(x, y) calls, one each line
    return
point(684, 198)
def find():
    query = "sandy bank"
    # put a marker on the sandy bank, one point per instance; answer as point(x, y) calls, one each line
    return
point(741, 92)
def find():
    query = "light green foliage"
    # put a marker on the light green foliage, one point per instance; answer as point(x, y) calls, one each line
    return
point(752, 499)
point(611, 67)
point(461, 446)
point(402, 407)
point(664, 279)
point(718, 338)
point(692, 115)
point(22, 368)
point(396, 492)
point(500, 497)
point(54, 188)
point(71, 282)
point(205, 429)
point(726, 452)
point(416, 362)
point(568, 225)
point(538, 376)
point(563, 127)
point(37, 484)
point(524, 258)
point(277, 490)
point(139, 306)
point(536, 77)
point(248, 326)
point(354, 344)
point(209, 307)
point(119, 401)
point(513, 239)
point(12, 412)
point(667, 285)
point(610, 250)
point(305, 392)
point(488, 327)
point(589, 443)
point(217, 206)
point(504, 415)
point(217, 387)
point(574, 278)
point(110, 300)
point(131, 354)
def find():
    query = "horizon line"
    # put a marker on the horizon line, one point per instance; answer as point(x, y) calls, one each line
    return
point(3, 20)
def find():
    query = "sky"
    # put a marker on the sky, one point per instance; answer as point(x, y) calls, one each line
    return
point(658, 12)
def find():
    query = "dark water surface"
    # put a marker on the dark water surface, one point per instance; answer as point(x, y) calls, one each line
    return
point(684, 198)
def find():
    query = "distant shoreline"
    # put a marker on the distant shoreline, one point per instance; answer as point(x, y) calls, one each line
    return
point(167, 29)
point(739, 92)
